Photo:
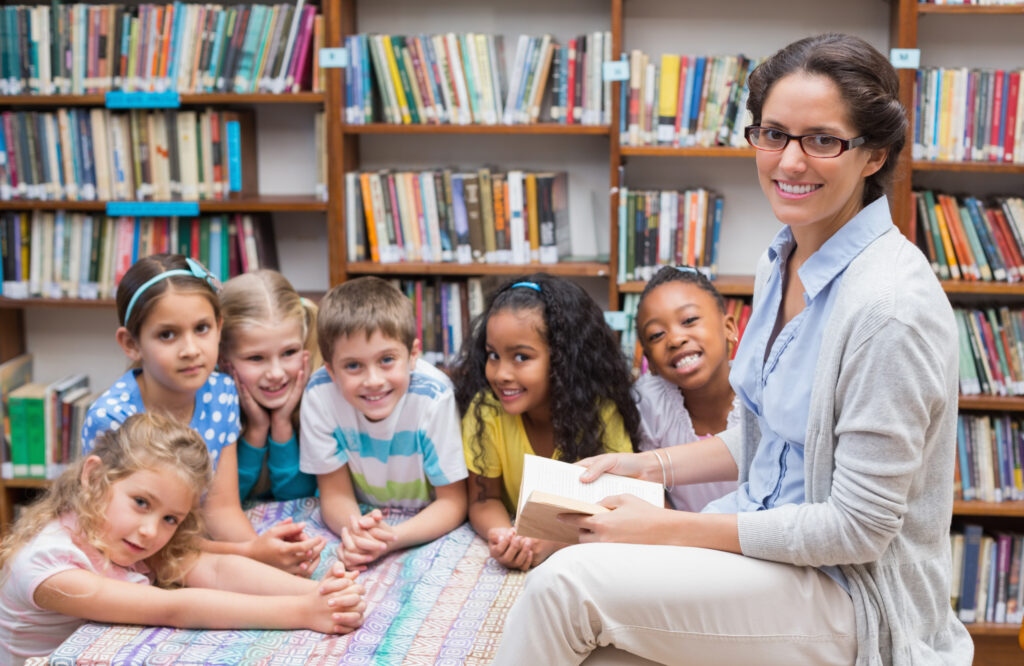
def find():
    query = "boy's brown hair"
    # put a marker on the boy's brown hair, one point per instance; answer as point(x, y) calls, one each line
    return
point(364, 305)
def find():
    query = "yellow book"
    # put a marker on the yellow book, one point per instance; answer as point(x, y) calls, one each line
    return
point(396, 80)
point(947, 243)
point(668, 97)
point(371, 224)
point(531, 211)
point(945, 109)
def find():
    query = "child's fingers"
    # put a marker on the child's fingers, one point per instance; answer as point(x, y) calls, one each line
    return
point(383, 535)
point(346, 539)
point(348, 620)
point(344, 600)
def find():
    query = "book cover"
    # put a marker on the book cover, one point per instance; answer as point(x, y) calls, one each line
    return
point(14, 373)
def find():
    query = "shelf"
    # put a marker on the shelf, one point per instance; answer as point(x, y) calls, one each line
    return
point(198, 99)
point(669, 151)
point(970, 9)
point(976, 167)
point(983, 287)
point(727, 285)
point(978, 508)
point(566, 268)
point(98, 303)
point(540, 128)
point(25, 483)
point(992, 629)
point(996, 403)
point(257, 204)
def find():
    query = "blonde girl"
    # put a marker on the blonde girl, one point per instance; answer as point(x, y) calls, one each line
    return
point(170, 321)
point(116, 538)
point(269, 347)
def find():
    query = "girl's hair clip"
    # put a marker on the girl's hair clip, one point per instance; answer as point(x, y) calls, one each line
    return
point(195, 269)
point(686, 269)
point(528, 285)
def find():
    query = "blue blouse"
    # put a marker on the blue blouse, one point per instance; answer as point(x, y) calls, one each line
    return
point(776, 386)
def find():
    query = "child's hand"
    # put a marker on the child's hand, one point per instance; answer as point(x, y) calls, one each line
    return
point(366, 540)
point(509, 549)
point(257, 419)
point(337, 605)
point(286, 547)
point(281, 418)
point(542, 550)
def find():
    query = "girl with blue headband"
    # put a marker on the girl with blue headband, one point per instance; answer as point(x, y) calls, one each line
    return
point(542, 374)
point(170, 321)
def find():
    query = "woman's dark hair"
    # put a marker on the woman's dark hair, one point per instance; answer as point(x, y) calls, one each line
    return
point(147, 268)
point(686, 275)
point(587, 365)
point(867, 82)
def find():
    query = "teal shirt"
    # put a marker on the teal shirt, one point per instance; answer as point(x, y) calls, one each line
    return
point(286, 481)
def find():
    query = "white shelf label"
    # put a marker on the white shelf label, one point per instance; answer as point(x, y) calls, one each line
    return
point(333, 58)
point(616, 70)
point(905, 58)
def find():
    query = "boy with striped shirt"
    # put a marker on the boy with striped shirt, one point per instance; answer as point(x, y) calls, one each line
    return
point(379, 426)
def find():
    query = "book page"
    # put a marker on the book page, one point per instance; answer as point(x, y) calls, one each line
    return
point(560, 478)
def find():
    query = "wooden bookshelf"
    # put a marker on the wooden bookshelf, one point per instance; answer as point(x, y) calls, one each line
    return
point(978, 508)
point(669, 151)
point(969, 10)
point(983, 288)
point(565, 268)
point(190, 99)
point(968, 167)
point(269, 203)
point(727, 285)
point(995, 403)
point(539, 128)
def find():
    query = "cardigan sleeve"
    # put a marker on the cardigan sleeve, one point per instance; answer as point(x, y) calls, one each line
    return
point(890, 399)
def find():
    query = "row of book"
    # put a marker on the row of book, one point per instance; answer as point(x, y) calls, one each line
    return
point(988, 576)
point(515, 217)
point(444, 310)
point(685, 100)
point(991, 351)
point(188, 48)
point(76, 255)
point(963, 114)
point(965, 238)
point(737, 308)
point(461, 79)
point(990, 452)
point(42, 429)
point(98, 154)
point(668, 228)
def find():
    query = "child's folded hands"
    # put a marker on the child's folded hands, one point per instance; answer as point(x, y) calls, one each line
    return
point(368, 538)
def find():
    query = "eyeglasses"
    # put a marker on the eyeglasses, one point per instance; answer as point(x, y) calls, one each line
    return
point(813, 145)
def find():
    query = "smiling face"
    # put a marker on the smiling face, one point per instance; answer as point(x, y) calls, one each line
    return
point(372, 372)
point(812, 195)
point(176, 346)
point(684, 335)
point(266, 360)
point(144, 510)
point(519, 362)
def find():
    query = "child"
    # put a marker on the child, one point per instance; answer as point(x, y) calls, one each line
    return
point(686, 337)
point(170, 328)
point(267, 343)
point(124, 517)
point(540, 374)
point(379, 425)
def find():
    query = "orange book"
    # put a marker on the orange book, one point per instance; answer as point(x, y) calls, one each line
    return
point(534, 222)
point(371, 226)
point(957, 233)
point(693, 208)
point(165, 39)
point(947, 243)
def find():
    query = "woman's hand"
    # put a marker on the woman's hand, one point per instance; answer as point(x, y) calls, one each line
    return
point(281, 418)
point(623, 464)
point(631, 520)
point(509, 549)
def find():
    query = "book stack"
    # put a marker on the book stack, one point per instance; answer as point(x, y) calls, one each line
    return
point(990, 456)
point(444, 310)
point(991, 351)
point(968, 115)
point(189, 48)
point(514, 217)
point(967, 239)
point(89, 154)
point(668, 228)
point(461, 79)
point(685, 100)
point(77, 255)
point(988, 576)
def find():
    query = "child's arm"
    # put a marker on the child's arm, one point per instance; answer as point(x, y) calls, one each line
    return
point(337, 499)
point(81, 593)
point(490, 519)
point(286, 480)
point(444, 514)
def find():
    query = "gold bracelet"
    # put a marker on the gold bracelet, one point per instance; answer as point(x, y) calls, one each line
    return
point(671, 469)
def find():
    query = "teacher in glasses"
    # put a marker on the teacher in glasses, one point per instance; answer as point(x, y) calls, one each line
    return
point(835, 547)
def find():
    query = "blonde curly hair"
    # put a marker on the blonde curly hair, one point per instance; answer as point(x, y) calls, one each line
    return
point(146, 441)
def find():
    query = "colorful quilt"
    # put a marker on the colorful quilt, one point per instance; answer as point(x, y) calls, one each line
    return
point(441, 603)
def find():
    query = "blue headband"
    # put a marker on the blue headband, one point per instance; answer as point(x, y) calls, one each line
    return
point(686, 269)
point(195, 269)
point(528, 285)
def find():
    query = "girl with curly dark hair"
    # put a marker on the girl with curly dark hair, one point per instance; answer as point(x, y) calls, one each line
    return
point(540, 373)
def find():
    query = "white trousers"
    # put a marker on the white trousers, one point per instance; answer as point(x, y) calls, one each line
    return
point(673, 605)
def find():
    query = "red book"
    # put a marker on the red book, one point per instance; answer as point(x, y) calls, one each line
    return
point(234, 261)
point(990, 349)
point(570, 98)
point(301, 60)
point(680, 229)
point(194, 239)
point(220, 181)
point(1007, 246)
point(1011, 116)
point(997, 105)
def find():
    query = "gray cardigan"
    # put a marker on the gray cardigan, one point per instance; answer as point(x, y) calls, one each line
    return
point(879, 456)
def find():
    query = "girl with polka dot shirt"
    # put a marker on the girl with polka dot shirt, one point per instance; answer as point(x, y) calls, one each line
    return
point(169, 316)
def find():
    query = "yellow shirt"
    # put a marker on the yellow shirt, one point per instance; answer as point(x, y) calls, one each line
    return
point(505, 443)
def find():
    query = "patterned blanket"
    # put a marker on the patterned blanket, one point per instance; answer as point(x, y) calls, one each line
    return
point(444, 602)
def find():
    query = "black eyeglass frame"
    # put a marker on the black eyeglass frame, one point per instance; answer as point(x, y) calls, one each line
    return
point(844, 144)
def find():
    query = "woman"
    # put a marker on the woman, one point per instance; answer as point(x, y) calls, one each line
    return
point(835, 547)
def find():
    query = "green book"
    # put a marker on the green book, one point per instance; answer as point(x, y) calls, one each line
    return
point(204, 241)
point(28, 439)
point(225, 250)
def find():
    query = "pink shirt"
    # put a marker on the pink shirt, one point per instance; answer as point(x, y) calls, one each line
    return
point(26, 630)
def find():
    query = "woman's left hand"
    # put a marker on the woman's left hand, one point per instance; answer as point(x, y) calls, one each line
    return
point(631, 520)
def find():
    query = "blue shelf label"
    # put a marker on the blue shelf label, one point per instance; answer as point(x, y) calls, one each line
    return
point(234, 156)
point(336, 58)
point(153, 208)
point(905, 58)
point(117, 99)
point(616, 70)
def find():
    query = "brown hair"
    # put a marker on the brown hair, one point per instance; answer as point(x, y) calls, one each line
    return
point(364, 305)
point(867, 82)
point(144, 270)
point(145, 441)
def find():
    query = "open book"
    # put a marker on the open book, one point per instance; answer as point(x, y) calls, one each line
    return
point(550, 487)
